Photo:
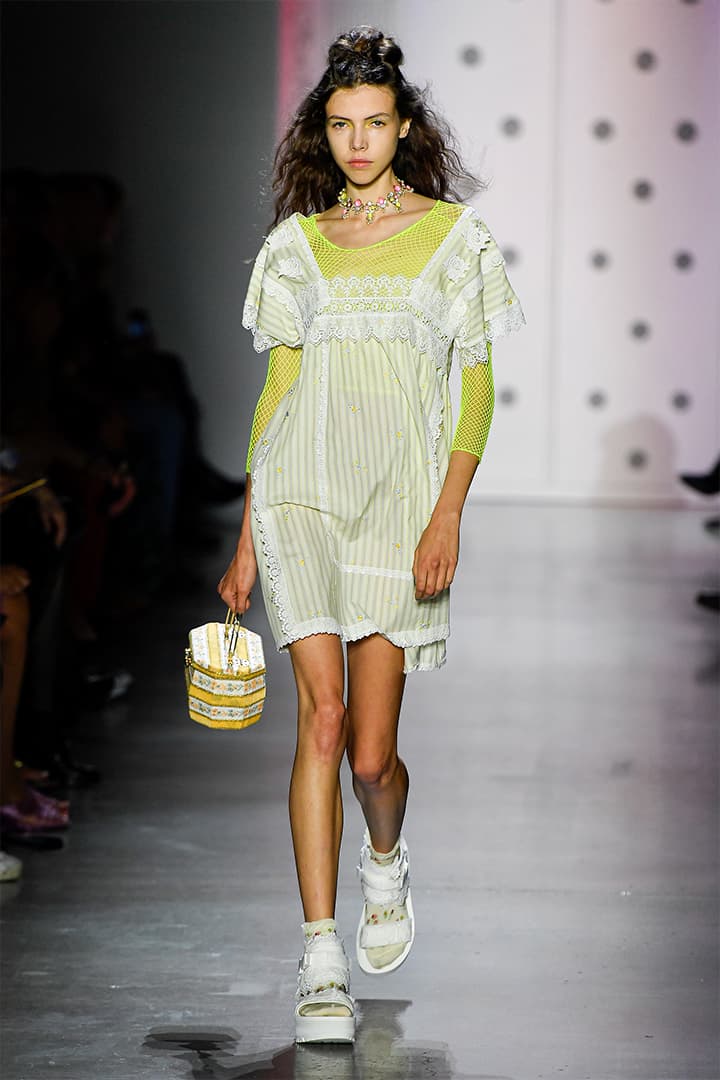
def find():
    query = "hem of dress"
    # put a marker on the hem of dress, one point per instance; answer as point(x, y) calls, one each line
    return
point(347, 634)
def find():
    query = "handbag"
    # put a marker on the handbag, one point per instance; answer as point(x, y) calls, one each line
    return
point(225, 674)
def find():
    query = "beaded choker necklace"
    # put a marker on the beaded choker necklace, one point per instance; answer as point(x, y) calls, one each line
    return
point(370, 209)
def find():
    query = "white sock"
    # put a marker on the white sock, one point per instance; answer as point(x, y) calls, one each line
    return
point(319, 928)
point(383, 955)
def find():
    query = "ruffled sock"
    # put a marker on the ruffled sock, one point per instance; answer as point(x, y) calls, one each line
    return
point(383, 955)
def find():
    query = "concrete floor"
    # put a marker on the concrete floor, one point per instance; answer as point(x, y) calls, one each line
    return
point(563, 829)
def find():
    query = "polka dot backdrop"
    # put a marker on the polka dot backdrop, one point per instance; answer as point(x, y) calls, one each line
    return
point(597, 127)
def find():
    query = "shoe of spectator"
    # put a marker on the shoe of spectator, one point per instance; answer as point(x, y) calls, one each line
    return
point(706, 483)
point(17, 822)
point(10, 867)
point(708, 600)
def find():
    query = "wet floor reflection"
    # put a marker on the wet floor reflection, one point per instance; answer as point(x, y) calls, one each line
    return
point(379, 1053)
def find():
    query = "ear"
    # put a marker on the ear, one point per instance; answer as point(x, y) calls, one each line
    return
point(404, 128)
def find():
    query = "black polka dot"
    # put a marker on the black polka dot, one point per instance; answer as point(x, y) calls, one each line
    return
point(690, 1)
point(510, 256)
point(603, 129)
point(511, 126)
point(686, 131)
point(507, 396)
point(597, 399)
point(681, 400)
point(600, 259)
point(640, 329)
point(637, 459)
point(646, 60)
point(471, 55)
point(643, 189)
point(684, 260)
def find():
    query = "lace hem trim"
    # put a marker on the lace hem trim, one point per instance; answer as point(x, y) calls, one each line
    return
point(404, 640)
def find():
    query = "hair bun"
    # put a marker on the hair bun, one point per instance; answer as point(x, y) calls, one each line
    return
point(365, 43)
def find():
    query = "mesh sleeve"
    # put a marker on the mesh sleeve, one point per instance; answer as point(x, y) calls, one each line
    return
point(477, 402)
point(283, 370)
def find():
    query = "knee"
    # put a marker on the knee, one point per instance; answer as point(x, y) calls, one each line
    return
point(322, 729)
point(372, 769)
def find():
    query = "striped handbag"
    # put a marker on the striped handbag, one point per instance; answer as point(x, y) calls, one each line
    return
point(225, 674)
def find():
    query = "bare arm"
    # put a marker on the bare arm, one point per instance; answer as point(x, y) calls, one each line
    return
point(236, 585)
point(436, 555)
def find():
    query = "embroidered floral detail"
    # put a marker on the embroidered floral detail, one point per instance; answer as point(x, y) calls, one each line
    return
point(290, 268)
point(456, 268)
point(476, 234)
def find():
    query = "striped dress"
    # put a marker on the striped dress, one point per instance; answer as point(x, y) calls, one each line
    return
point(347, 472)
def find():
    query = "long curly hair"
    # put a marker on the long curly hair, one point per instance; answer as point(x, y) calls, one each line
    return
point(305, 176)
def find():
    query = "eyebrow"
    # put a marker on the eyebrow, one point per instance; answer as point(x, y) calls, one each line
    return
point(375, 116)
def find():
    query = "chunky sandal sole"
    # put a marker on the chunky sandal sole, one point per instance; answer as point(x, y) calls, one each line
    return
point(324, 1029)
point(394, 964)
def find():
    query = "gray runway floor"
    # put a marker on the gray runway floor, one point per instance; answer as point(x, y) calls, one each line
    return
point(563, 832)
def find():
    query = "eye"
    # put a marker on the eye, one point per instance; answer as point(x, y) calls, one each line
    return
point(338, 124)
point(377, 123)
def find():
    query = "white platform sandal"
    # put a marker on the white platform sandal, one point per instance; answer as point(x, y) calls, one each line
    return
point(324, 1010)
point(388, 886)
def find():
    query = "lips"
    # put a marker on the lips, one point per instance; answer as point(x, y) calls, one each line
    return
point(359, 161)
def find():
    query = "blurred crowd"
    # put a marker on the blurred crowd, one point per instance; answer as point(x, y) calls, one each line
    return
point(103, 484)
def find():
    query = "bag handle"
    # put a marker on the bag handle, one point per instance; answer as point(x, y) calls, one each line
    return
point(233, 625)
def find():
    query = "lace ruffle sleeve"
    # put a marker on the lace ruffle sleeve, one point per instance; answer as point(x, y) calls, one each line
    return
point(271, 309)
point(487, 307)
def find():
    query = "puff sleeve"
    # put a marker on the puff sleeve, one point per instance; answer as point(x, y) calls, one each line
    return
point(487, 307)
point(272, 308)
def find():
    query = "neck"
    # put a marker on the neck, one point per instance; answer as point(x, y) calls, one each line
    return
point(372, 191)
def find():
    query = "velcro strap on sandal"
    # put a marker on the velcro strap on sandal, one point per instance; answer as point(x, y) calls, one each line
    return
point(375, 935)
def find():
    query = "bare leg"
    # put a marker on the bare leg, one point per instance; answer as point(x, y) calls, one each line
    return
point(315, 801)
point(380, 780)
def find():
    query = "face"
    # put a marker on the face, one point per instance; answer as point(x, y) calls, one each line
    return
point(363, 128)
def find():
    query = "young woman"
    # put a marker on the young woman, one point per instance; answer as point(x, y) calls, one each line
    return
point(356, 482)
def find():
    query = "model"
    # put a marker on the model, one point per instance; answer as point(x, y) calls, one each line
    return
point(367, 286)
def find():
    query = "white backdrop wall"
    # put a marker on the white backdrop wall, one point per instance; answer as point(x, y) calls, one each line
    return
point(597, 123)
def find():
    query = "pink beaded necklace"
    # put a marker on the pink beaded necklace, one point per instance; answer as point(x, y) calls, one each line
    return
point(370, 209)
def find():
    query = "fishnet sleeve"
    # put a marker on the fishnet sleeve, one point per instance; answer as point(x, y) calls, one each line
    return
point(283, 370)
point(477, 402)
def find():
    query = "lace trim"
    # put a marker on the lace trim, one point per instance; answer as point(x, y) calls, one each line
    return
point(321, 428)
point(410, 639)
point(251, 313)
point(382, 327)
point(390, 285)
point(433, 432)
point(512, 318)
point(278, 588)
point(505, 322)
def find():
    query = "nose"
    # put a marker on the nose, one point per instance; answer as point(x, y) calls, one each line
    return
point(358, 140)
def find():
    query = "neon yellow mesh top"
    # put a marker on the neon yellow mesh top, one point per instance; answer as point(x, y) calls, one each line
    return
point(353, 431)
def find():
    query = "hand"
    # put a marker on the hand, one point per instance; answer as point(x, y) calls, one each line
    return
point(236, 585)
point(13, 580)
point(436, 556)
point(52, 515)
